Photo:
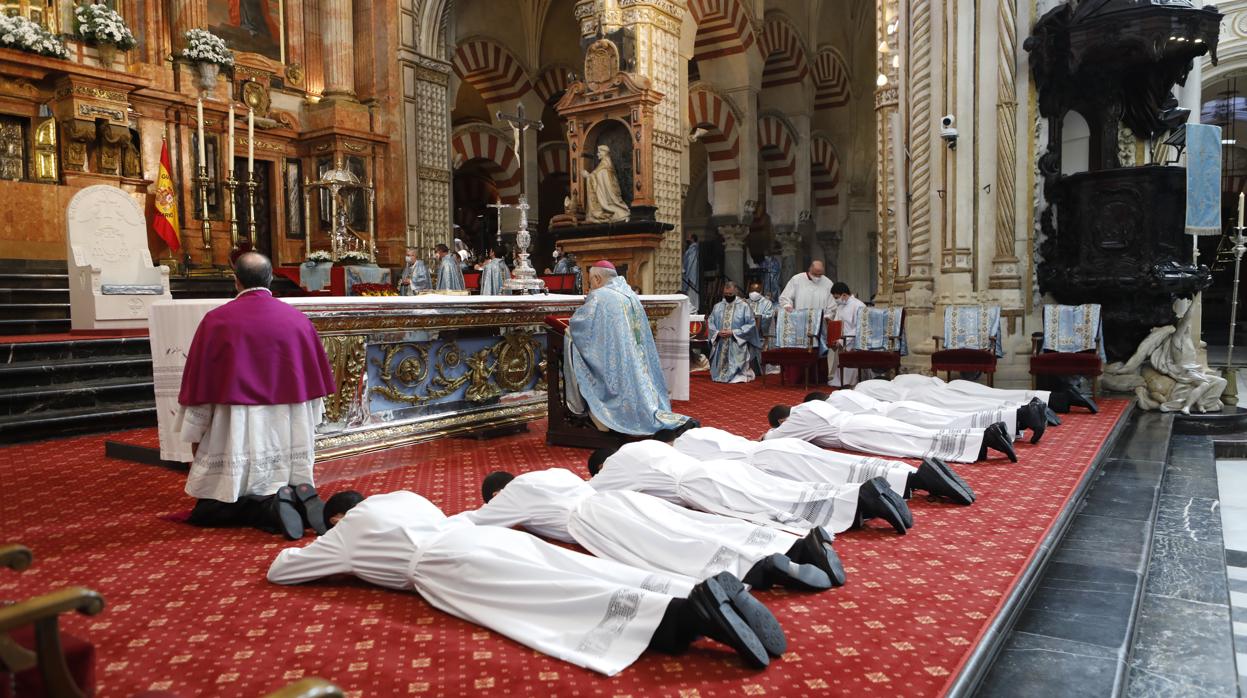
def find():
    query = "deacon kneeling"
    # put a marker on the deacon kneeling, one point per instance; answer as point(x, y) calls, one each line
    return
point(594, 613)
point(733, 334)
point(251, 398)
point(611, 370)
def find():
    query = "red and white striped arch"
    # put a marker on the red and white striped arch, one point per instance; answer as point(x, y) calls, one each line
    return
point(786, 62)
point(552, 158)
point(825, 173)
point(777, 146)
point(831, 80)
point(552, 83)
point(490, 68)
point(709, 111)
point(723, 28)
point(470, 144)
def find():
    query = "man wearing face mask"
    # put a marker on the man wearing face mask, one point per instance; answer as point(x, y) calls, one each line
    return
point(733, 338)
point(844, 308)
point(763, 314)
point(807, 290)
point(415, 276)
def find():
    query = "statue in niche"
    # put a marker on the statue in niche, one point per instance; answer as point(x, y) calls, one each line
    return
point(603, 201)
point(1165, 373)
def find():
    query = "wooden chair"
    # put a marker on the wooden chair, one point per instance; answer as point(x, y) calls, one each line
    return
point(873, 351)
point(35, 657)
point(564, 427)
point(972, 341)
point(795, 346)
point(1071, 344)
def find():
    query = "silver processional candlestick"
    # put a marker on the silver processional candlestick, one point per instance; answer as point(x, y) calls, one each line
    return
point(524, 278)
point(1230, 397)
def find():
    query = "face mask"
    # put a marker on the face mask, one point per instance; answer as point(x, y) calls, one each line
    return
point(556, 254)
point(842, 301)
point(729, 299)
point(755, 296)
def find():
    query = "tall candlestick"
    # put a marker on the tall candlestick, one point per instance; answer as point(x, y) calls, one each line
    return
point(199, 114)
point(1240, 209)
point(250, 140)
point(229, 149)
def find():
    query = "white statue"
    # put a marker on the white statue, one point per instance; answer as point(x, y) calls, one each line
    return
point(603, 202)
point(1172, 380)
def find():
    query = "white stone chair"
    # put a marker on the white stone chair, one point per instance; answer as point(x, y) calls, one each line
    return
point(112, 282)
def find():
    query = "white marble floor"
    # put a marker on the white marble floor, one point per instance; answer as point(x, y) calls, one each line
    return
point(1232, 486)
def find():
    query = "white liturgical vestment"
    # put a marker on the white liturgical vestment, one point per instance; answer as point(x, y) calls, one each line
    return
point(921, 414)
point(957, 396)
point(824, 425)
point(594, 613)
point(793, 459)
point(730, 488)
point(804, 291)
point(631, 527)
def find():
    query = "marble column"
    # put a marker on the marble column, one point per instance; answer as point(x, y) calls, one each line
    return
point(734, 250)
point(187, 15)
point(790, 248)
point(336, 24)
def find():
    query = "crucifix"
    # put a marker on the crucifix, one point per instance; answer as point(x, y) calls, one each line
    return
point(524, 278)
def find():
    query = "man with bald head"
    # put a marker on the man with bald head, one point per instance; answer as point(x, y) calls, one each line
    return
point(251, 398)
point(811, 289)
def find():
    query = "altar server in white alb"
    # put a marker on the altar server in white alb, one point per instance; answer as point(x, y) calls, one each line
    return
point(824, 425)
point(795, 459)
point(738, 490)
point(594, 613)
point(844, 307)
point(809, 289)
point(734, 339)
point(651, 533)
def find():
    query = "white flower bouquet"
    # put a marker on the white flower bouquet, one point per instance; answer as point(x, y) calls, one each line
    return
point(97, 24)
point(320, 257)
point(202, 46)
point(354, 257)
point(24, 35)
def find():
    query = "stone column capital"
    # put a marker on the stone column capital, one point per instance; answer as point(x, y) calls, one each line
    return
point(734, 235)
point(789, 241)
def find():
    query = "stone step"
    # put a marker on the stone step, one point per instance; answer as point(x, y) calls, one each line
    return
point(96, 394)
point(80, 420)
point(34, 295)
point(33, 326)
point(29, 374)
point(74, 349)
point(34, 280)
point(34, 311)
point(18, 266)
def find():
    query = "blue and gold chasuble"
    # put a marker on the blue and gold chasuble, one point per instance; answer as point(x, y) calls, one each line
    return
point(449, 275)
point(730, 356)
point(493, 274)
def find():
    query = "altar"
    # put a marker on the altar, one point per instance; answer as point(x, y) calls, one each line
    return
point(412, 369)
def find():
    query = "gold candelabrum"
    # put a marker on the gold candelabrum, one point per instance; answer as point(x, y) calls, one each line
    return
point(231, 184)
point(251, 186)
point(205, 230)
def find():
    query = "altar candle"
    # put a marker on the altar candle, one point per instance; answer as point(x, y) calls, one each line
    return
point(1240, 209)
point(229, 149)
point(250, 140)
point(199, 113)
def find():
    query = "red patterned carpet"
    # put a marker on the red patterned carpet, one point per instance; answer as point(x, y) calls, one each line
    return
point(189, 610)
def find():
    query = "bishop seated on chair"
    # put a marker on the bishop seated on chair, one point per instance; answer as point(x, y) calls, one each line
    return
point(611, 372)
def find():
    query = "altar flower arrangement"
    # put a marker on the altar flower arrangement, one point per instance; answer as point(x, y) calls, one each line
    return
point(319, 257)
point(101, 26)
point(24, 35)
point(373, 290)
point(354, 257)
point(202, 46)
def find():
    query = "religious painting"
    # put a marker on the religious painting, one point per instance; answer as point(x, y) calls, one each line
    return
point(323, 165)
point(356, 202)
point(294, 198)
point(254, 26)
point(211, 154)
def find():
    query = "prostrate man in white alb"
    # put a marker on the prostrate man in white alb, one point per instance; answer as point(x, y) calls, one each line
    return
point(733, 334)
point(809, 289)
point(844, 308)
point(644, 531)
point(741, 491)
point(594, 613)
point(824, 425)
point(795, 459)
point(958, 395)
point(920, 414)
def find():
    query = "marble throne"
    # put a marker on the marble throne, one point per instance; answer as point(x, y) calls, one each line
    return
point(112, 282)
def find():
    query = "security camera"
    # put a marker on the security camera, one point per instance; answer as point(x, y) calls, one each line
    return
point(947, 132)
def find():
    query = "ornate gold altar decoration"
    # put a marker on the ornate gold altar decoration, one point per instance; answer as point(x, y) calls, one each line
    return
point(347, 358)
point(514, 365)
point(45, 152)
point(12, 150)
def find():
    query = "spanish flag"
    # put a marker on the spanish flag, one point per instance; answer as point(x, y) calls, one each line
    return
point(165, 222)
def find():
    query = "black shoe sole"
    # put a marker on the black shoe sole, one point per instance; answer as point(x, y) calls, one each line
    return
point(1001, 442)
point(1039, 421)
point(1053, 419)
point(949, 483)
point(289, 520)
point(759, 618)
point(884, 503)
point(798, 576)
point(713, 605)
point(313, 508)
point(828, 558)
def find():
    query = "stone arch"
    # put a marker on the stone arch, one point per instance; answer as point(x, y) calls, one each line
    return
point(492, 70)
point(777, 144)
point(723, 28)
point(709, 111)
point(786, 61)
point(552, 158)
point(481, 142)
point(552, 83)
point(825, 173)
point(832, 83)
